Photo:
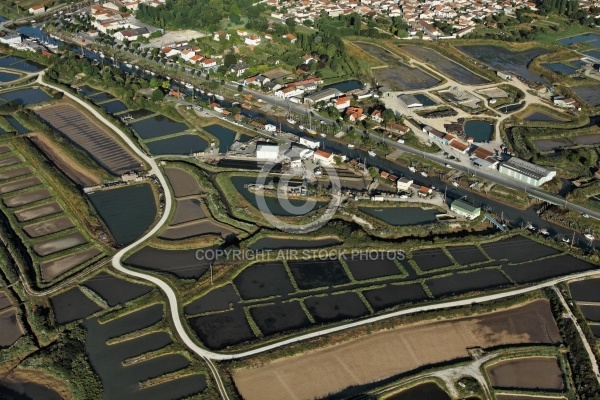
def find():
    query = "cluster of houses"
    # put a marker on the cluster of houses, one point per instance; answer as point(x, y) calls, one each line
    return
point(108, 19)
point(419, 14)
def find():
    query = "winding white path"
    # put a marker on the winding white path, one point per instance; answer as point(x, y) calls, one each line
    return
point(208, 355)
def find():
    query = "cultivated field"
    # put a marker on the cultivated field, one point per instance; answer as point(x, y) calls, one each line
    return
point(387, 353)
point(532, 373)
point(91, 136)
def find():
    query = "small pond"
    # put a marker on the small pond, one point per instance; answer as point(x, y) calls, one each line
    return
point(479, 130)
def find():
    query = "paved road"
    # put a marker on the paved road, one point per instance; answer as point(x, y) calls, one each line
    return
point(586, 344)
point(117, 258)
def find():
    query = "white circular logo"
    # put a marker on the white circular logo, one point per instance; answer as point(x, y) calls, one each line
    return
point(298, 205)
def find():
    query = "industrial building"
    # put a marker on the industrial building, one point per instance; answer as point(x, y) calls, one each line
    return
point(527, 172)
point(465, 209)
point(409, 101)
point(267, 151)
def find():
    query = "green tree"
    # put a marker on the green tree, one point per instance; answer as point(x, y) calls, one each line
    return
point(157, 95)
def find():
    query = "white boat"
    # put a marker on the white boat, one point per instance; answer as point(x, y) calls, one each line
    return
point(209, 94)
point(128, 65)
point(301, 127)
point(136, 67)
point(152, 73)
point(350, 146)
point(424, 174)
point(322, 135)
point(371, 153)
point(588, 236)
point(189, 86)
point(219, 97)
point(291, 121)
point(102, 54)
point(412, 169)
point(455, 184)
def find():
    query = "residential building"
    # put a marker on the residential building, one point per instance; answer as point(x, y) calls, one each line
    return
point(527, 172)
point(355, 114)
point(376, 116)
point(37, 9)
point(403, 184)
point(290, 91)
point(341, 103)
point(323, 157)
point(465, 209)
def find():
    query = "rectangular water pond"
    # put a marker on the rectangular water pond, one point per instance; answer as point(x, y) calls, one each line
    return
point(402, 216)
point(128, 211)
point(588, 37)
point(8, 77)
point(157, 126)
point(225, 135)
point(184, 144)
point(560, 68)
point(25, 96)
point(500, 58)
point(21, 64)
point(114, 107)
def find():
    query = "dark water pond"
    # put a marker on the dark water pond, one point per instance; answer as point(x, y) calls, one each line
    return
point(479, 130)
point(225, 135)
point(184, 144)
point(402, 216)
point(128, 211)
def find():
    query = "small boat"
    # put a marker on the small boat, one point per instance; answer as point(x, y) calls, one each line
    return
point(291, 121)
point(588, 236)
point(371, 153)
point(128, 65)
point(322, 135)
point(412, 169)
point(350, 146)
point(219, 97)
point(311, 132)
point(136, 67)
point(209, 94)
point(301, 127)
point(189, 86)
point(424, 174)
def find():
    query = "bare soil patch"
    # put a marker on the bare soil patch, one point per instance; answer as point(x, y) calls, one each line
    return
point(47, 227)
point(527, 373)
point(90, 135)
point(188, 210)
point(183, 183)
point(10, 160)
point(10, 328)
point(387, 353)
point(38, 211)
point(4, 149)
point(27, 198)
point(15, 172)
point(53, 268)
point(59, 244)
point(64, 162)
point(4, 301)
point(20, 184)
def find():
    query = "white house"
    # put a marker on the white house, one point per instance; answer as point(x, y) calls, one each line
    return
point(252, 40)
point(208, 62)
point(403, 184)
point(267, 151)
point(323, 157)
point(341, 103)
point(37, 9)
point(11, 39)
point(290, 91)
point(311, 144)
point(169, 52)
